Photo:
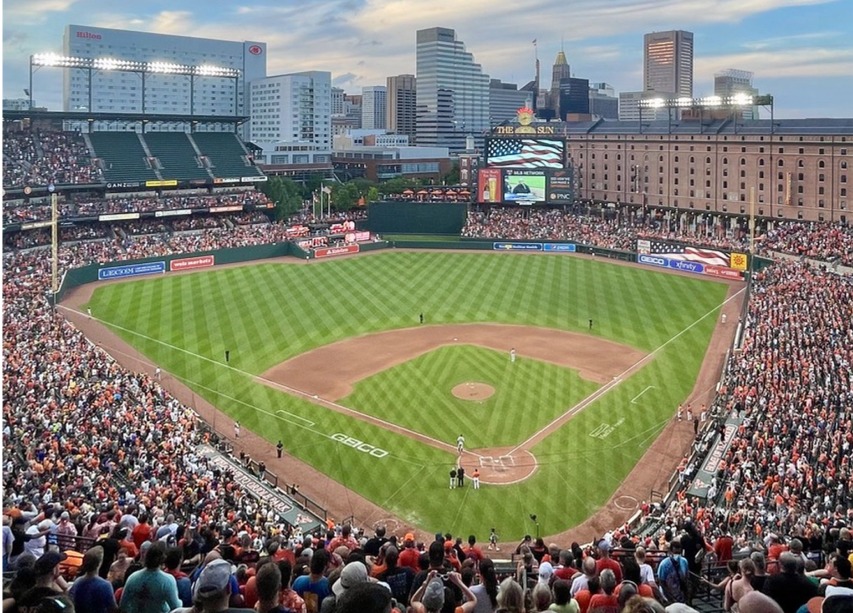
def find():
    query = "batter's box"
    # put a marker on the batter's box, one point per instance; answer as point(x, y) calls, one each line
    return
point(507, 460)
point(487, 461)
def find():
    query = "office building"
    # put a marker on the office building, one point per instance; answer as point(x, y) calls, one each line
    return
point(630, 109)
point(559, 71)
point(352, 109)
point(504, 101)
point(603, 102)
point(668, 63)
point(112, 91)
point(574, 97)
point(452, 91)
point(373, 107)
point(337, 102)
point(732, 82)
point(291, 118)
point(402, 105)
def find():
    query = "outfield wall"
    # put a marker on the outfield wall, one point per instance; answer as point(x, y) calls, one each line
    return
point(420, 218)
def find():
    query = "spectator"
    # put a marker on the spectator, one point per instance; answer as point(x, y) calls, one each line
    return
point(90, 592)
point(151, 590)
point(789, 588)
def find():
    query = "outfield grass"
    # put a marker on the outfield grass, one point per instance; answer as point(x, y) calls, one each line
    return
point(266, 313)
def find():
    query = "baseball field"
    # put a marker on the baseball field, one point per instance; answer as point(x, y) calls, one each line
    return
point(331, 358)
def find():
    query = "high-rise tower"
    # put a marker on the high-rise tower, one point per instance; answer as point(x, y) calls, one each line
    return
point(668, 63)
point(452, 91)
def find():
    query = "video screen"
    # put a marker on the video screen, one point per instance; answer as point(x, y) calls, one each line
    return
point(524, 186)
point(525, 153)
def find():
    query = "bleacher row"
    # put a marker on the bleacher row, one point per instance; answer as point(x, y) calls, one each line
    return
point(36, 157)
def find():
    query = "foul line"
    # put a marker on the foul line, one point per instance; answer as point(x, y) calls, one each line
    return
point(618, 379)
point(292, 390)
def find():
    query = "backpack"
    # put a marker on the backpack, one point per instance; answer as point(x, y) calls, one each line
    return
point(675, 585)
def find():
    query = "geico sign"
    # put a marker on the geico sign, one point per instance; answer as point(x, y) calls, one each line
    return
point(360, 445)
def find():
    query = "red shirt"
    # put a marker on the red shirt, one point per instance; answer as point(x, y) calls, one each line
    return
point(140, 534)
point(612, 565)
point(602, 600)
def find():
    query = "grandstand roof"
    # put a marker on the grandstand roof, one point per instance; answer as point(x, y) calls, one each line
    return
point(818, 126)
point(148, 117)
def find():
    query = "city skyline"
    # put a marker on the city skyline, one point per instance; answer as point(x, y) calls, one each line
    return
point(801, 51)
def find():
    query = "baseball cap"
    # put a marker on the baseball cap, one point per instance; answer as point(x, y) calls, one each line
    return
point(214, 578)
point(433, 597)
point(604, 545)
point(46, 563)
point(354, 572)
point(45, 524)
point(409, 537)
point(545, 572)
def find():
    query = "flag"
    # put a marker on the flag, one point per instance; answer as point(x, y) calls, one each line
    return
point(689, 254)
point(327, 189)
point(534, 41)
point(525, 153)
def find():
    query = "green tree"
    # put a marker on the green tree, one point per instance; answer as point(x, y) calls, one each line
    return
point(285, 194)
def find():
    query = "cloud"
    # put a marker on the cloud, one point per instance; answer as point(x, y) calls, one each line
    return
point(803, 62)
point(791, 40)
point(31, 12)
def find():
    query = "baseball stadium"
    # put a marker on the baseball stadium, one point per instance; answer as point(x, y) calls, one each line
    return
point(580, 381)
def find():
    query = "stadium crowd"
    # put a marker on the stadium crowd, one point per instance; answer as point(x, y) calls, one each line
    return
point(822, 241)
point(97, 455)
point(16, 211)
point(40, 157)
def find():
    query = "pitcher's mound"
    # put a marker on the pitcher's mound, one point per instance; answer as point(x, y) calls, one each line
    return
point(473, 391)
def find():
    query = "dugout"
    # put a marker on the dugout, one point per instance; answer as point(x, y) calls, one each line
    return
point(417, 218)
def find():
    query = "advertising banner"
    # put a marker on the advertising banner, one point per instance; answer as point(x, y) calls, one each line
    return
point(32, 225)
point(559, 247)
point(131, 270)
point(123, 185)
point(225, 180)
point(226, 209)
point(259, 179)
point(723, 272)
point(165, 183)
point(738, 261)
point(560, 186)
point(172, 213)
point(517, 246)
point(326, 252)
point(490, 185)
point(118, 216)
point(202, 261)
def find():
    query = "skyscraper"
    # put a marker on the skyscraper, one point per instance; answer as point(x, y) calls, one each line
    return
point(668, 63)
point(559, 71)
point(402, 105)
point(504, 101)
point(452, 91)
point(732, 82)
point(373, 107)
point(293, 108)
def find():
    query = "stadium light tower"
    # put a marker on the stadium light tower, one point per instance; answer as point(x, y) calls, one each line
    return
point(54, 60)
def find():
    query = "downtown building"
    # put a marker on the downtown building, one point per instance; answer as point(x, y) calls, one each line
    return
point(452, 92)
point(374, 107)
point(113, 91)
point(292, 122)
point(402, 104)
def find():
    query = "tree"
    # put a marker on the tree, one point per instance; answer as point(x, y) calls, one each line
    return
point(286, 195)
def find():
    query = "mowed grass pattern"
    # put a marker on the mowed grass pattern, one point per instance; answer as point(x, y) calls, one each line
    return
point(401, 394)
point(266, 313)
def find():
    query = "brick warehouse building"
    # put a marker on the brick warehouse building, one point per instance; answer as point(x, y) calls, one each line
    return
point(799, 170)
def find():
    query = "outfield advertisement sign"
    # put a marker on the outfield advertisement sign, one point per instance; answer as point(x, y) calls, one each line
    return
point(202, 261)
point(327, 252)
point(517, 246)
point(560, 247)
point(687, 266)
point(131, 270)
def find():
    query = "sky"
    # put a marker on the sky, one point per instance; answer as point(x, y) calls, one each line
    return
point(800, 51)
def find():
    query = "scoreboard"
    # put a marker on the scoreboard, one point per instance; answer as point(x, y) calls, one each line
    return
point(526, 171)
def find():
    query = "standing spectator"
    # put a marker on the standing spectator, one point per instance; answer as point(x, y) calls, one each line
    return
point(151, 590)
point(672, 574)
point(789, 588)
point(90, 592)
point(605, 562)
point(314, 587)
point(269, 589)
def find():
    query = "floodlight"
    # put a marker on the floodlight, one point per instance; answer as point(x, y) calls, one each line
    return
point(712, 101)
point(742, 99)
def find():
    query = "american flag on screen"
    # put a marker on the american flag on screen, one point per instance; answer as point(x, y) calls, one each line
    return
point(524, 153)
point(689, 254)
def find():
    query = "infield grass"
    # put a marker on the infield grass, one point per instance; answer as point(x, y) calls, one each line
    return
point(266, 313)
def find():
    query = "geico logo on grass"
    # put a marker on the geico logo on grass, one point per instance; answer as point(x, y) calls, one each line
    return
point(360, 445)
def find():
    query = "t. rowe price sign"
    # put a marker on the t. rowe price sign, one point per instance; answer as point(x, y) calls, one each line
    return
point(326, 252)
point(202, 261)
